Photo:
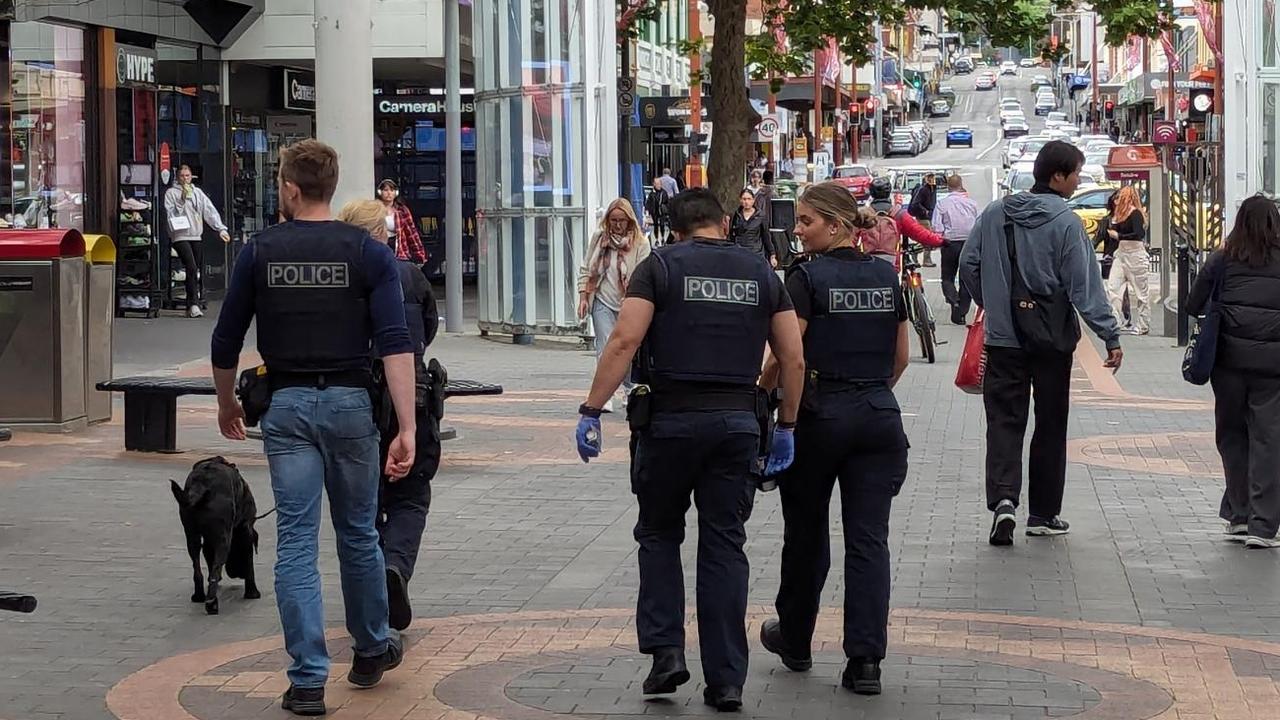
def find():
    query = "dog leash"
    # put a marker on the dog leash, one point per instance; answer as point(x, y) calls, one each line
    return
point(264, 514)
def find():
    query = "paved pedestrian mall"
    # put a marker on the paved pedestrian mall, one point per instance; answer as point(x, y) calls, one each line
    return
point(526, 583)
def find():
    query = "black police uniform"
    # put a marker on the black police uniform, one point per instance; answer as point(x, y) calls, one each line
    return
point(403, 504)
point(849, 428)
point(713, 306)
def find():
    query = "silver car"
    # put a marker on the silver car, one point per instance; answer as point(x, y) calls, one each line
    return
point(903, 142)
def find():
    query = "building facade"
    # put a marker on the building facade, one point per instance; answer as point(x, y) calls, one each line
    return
point(1251, 81)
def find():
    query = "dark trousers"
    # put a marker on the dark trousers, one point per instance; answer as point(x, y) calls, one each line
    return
point(857, 440)
point(1012, 375)
point(1247, 414)
point(956, 293)
point(710, 455)
point(403, 504)
point(190, 253)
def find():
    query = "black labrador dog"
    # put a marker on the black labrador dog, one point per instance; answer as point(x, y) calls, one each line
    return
point(218, 513)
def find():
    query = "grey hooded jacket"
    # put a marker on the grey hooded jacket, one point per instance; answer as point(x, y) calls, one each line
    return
point(1053, 254)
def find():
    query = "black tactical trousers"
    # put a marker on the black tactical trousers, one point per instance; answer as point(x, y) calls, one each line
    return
point(854, 437)
point(956, 293)
point(403, 504)
point(1247, 411)
point(709, 455)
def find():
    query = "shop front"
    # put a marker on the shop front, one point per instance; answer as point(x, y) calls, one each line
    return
point(410, 149)
point(664, 123)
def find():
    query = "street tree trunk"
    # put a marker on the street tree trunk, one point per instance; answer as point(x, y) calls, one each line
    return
point(729, 108)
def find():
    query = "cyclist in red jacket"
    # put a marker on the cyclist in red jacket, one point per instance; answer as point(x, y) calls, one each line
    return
point(885, 240)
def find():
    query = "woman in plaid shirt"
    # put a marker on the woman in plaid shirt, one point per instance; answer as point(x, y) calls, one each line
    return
point(401, 228)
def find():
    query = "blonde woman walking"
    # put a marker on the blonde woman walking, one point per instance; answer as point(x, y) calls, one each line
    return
point(614, 252)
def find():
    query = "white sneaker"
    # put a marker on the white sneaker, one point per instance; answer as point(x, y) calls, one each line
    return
point(1254, 542)
point(134, 204)
point(195, 311)
point(179, 275)
point(1236, 533)
point(608, 406)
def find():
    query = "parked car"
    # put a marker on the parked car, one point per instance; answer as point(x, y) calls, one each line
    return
point(1029, 149)
point(963, 66)
point(985, 81)
point(1008, 67)
point(856, 179)
point(1016, 127)
point(1012, 151)
point(939, 108)
point(960, 135)
point(1056, 116)
point(1020, 178)
point(947, 92)
point(1040, 81)
point(1026, 62)
point(926, 132)
point(1044, 106)
point(904, 180)
point(903, 142)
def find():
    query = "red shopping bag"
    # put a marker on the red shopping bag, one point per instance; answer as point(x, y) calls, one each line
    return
point(973, 361)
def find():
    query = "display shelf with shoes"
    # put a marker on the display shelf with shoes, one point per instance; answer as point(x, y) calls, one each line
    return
point(138, 290)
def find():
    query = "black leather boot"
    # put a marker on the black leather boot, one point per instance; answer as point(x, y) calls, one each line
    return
point(772, 639)
point(724, 698)
point(862, 675)
point(669, 671)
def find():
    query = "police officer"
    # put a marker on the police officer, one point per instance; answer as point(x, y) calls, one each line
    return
point(404, 502)
point(854, 323)
point(704, 309)
point(321, 291)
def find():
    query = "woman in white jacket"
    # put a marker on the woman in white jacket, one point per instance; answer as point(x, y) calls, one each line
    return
point(186, 210)
point(615, 251)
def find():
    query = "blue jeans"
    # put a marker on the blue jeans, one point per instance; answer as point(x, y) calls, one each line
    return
point(603, 320)
point(325, 439)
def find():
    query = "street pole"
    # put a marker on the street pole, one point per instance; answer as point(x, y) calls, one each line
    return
point(344, 90)
point(817, 109)
point(1097, 110)
point(624, 129)
point(837, 146)
point(877, 134)
point(773, 109)
point(693, 169)
point(855, 137)
point(453, 170)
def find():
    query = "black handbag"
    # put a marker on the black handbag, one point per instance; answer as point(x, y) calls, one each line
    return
point(1202, 347)
point(1043, 322)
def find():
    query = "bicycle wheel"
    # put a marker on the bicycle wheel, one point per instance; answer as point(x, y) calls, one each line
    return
point(924, 328)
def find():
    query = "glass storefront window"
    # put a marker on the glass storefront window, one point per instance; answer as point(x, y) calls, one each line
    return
point(1270, 137)
point(1270, 34)
point(44, 110)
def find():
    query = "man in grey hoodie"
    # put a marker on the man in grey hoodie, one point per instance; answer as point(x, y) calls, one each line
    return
point(1055, 258)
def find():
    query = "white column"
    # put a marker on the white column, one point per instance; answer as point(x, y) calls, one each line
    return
point(1240, 112)
point(344, 91)
point(453, 169)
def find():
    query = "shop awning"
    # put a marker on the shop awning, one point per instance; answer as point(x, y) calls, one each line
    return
point(796, 94)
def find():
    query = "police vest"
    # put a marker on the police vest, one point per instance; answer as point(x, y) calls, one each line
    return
point(712, 315)
point(312, 298)
point(853, 333)
point(414, 311)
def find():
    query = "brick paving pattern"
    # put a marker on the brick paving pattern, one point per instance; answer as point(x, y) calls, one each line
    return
point(527, 574)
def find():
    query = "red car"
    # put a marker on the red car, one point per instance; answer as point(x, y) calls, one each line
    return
point(856, 179)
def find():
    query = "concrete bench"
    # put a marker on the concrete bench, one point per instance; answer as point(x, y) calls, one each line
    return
point(17, 602)
point(151, 406)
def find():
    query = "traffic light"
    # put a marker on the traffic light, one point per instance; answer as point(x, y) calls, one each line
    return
point(1109, 110)
point(698, 144)
point(855, 112)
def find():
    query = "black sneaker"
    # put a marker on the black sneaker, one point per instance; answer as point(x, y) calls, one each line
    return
point(304, 701)
point(367, 671)
point(862, 676)
point(400, 613)
point(724, 698)
point(773, 641)
point(1044, 527)
point(1005, 521)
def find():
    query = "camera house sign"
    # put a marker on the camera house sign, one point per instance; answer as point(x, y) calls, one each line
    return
point(299, 90)
point(135, 66)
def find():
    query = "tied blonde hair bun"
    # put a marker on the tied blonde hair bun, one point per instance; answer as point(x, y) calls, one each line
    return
point(368, 215)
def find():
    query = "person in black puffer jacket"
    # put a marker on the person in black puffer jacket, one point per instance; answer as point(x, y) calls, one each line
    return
point(1246, 374)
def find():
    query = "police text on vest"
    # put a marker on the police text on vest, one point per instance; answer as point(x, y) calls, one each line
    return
point(859, 300)
point(306, 275)
point(707, 289)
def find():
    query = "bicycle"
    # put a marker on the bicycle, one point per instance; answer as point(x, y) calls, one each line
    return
point(918, 310)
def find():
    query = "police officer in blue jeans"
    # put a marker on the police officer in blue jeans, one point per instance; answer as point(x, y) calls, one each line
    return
point(699, 312)
point(321, 291)
point(856, 346)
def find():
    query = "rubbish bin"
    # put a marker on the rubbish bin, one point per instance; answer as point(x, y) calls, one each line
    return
point(99, 316)
point(42, 328)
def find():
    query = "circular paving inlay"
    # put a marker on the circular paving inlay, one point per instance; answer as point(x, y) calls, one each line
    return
point(581, 663)
point(1192, 454)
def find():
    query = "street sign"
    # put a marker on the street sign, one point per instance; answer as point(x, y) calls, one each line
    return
point(768, 128)
point(1165, 132)
point(626, 85)
point(626, 103)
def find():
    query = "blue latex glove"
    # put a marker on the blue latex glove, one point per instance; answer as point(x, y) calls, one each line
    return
point(782, 451)
point(588, 438)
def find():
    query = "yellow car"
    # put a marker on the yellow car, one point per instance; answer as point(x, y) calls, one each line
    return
point(1091, 205)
